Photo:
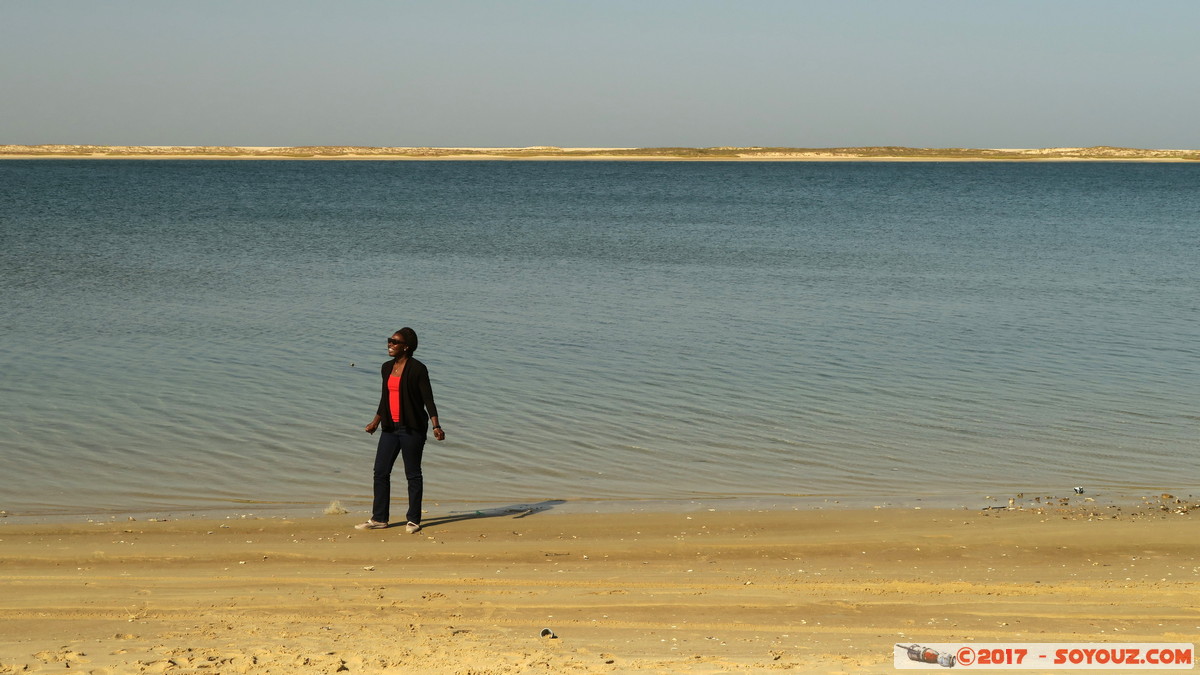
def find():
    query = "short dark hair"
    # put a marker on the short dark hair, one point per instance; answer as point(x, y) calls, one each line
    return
point(410, 338)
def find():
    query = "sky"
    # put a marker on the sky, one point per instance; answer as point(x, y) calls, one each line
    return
point(601, 73)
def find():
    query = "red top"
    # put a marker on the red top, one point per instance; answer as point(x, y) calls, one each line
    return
point(394, 397)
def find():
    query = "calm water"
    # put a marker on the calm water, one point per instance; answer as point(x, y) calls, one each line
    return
point(201, 335)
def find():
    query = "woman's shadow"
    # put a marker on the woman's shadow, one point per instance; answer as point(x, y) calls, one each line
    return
point(514, 510)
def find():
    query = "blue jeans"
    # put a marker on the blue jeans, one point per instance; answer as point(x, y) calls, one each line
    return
point(409, 445)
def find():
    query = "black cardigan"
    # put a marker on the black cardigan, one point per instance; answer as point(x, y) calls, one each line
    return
point(416, 395)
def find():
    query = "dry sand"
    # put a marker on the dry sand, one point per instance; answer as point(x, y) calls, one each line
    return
point(701, 592)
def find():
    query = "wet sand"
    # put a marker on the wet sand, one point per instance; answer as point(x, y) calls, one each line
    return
point(700, 592)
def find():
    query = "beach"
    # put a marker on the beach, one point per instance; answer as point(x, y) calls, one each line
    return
point(691, 413)
point(705, 591)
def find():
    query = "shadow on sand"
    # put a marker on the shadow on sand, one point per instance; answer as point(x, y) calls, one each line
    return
point(514, 511)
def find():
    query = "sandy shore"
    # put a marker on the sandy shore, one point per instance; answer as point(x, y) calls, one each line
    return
point(703, 592)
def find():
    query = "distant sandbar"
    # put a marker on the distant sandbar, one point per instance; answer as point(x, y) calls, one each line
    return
point(341, 152)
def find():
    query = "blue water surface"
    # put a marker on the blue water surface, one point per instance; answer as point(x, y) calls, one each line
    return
point(206, 334)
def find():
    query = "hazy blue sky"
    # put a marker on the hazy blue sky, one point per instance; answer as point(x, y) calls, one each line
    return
point(928, 73)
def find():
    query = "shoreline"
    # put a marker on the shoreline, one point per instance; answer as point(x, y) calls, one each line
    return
point(1131, 501)
point(700, 592)
point(540, 153)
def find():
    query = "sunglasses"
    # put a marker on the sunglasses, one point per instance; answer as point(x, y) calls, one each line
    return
point(394, 341)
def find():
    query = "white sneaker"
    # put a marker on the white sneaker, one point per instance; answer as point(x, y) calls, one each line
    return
point(412, 528)
point(371, 525)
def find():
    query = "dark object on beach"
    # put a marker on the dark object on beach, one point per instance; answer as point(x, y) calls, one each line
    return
point(547, 633)
point(926, 655)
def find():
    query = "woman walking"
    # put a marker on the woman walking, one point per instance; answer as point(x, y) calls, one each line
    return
point(406, 409)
